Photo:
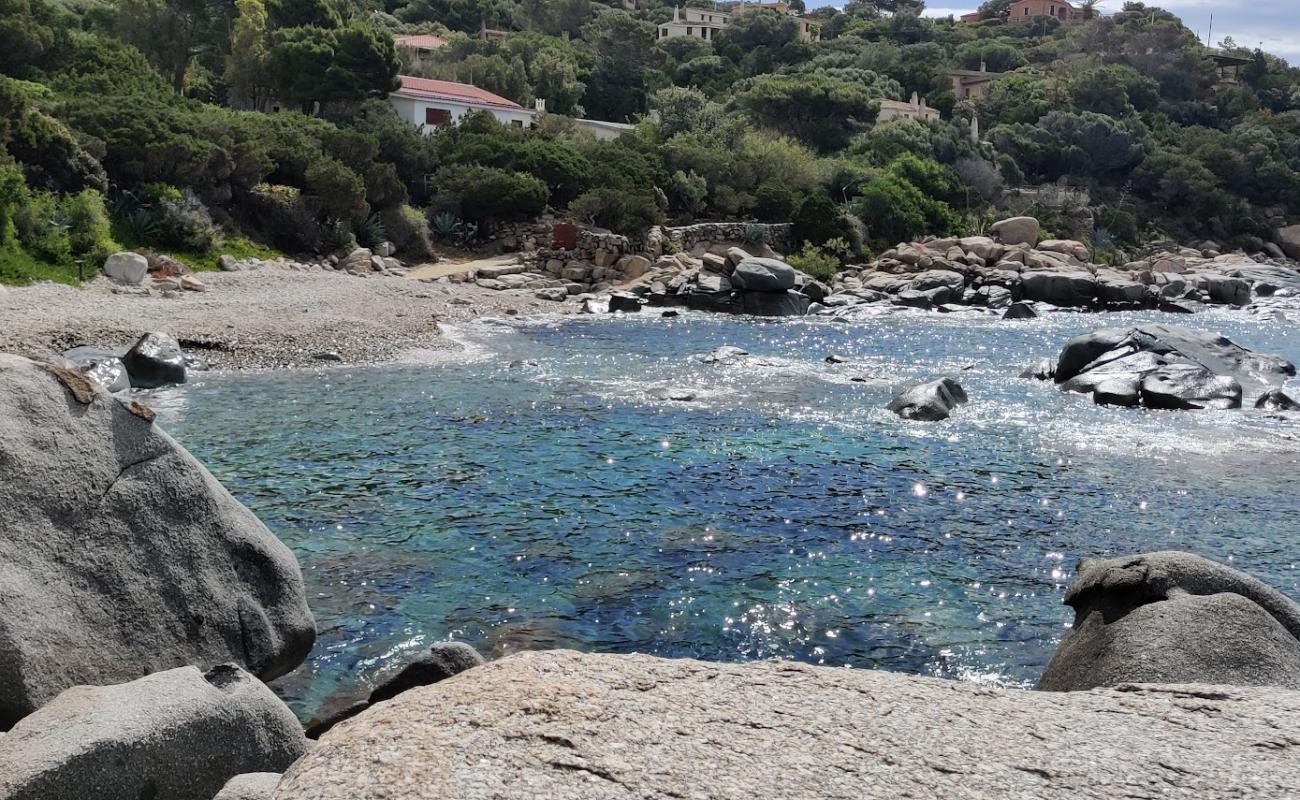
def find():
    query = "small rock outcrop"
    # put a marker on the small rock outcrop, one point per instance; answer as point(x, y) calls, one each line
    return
point(121, 554)
point(559, 724)
point(1172, 367)
point(437, 663)
point(100, 365)
point(179, 734)
point(929, 402)
point(1173, 617)
point(126, 269)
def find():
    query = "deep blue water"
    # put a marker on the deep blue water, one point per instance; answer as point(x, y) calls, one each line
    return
point(560, 502)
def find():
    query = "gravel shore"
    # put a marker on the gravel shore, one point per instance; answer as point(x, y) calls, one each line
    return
point(259, 319)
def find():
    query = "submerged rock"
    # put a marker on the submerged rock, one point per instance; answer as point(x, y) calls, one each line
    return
point(560, 724)
point(179, 734)
point(625, 302)
point(1020, 311)
point(100, 365)
point(1277, 400)
point(929, 402)
point(121, 554)
point(722, 355)
point(1173, 617)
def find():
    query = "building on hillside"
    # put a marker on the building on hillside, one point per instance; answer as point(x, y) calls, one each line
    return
point(1033, 10)
point(969, 84)
point(916, 109)
point(603, 130)
point(419, 42)
point(1228, 67)
point(429, 104)
point(699, 23)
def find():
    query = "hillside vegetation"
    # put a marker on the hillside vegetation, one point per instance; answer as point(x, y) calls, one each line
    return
point(142, 123)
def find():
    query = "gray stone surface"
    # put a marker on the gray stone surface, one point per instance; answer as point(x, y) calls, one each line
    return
point(763, 275)
point(155, 360)
point(252, 786)
point(126, 269)
point(121, 555)
point(1187, 368)
point(1172, 617)
point(437, 663)
point(580, 727)
point(1016, 230)
point(929, 402)
point(1288, 239)
point(1060, 288)
point(179, 735)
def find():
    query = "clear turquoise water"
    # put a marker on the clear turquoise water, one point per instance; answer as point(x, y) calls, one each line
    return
point(560, 502)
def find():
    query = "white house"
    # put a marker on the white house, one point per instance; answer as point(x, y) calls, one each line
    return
point(429, 104)
point(916, 109)
point(695, 23)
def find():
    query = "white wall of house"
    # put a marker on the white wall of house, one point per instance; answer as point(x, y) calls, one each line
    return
point(415, 111)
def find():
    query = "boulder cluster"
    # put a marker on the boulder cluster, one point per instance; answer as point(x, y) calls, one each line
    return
point(1169, 367)
point(166, 275)
point(156, 359)
point(1012, 264)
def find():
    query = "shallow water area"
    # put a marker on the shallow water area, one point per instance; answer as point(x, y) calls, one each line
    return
point(542, 491)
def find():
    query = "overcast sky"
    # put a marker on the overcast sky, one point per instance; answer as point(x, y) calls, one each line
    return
point(1273, 25)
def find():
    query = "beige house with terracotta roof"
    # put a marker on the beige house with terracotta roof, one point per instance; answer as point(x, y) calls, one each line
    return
point(915, 109)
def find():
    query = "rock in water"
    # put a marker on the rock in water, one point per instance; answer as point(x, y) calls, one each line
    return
point(252, 786)
point(155, 360)
point(101, 366)
point(1178, 368)
point(625, 302)
point(1173, 617)
point(126, 269)
point(179, 735)
point(559, 724)
point(439, 662)
point(723, 355)
point(773, 304)
point(1277, 400)
point(121, 554)
point(1122, 391)
point(763, 275)
point(1020, 311)
point(929, 402)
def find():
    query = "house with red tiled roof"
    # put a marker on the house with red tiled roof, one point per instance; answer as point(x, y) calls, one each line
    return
point(429, 104)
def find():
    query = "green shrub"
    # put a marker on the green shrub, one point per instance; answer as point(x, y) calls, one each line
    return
point(816, 262)
point(621, 212)
point(408, 230)
point(89, 231)
point(486, 195)
point(755, 234)
point(773, 202)
point(819, 220)
point(13, 191)
point(284, 217)
point(42, 228)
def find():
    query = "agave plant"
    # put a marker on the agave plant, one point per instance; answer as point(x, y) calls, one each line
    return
point(369, 231)
point(140, 225)
point(445, 226)
point(336, 236)
point(755, 234)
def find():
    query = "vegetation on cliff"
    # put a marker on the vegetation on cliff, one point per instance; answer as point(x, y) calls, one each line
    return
point(143, 123)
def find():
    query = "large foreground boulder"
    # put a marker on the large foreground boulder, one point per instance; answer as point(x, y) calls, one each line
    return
point(155, 360)
point(1016, 230)
point(120, 555)
point(1173, 617)
point(126, 269)
point(929, 402)
point(764, 275)
point(560, 724)
point(179, 735)
point(1175, 367)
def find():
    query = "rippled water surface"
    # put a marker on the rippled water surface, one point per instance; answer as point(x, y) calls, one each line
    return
point(536, 491)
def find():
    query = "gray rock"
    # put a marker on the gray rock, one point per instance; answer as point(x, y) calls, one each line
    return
point(122, 556)
point(559, 724)
point(623, 301)
point(713, 283)
point(1173, 617)
point(1016, 230)
point(386, 250)
point(1189, 387)
point(1122, 391)
point(439, 662)
point(772, 304)
point(100, 365)
point(929, 402)
point(1020, 310)
point(155, 360)
point(1288, 239)
point(358, 262)
point(910, 298)
point(1231, 291)
point(251, 786)
point(556, 294)
point(126, 269)
point(490, 283)
point(179, 734)
point(227, 263)
point(1277, 400)
point(763, 275)
point(939, 279)
point(1040, 370)
point(1059, 288)
point(1172, 344)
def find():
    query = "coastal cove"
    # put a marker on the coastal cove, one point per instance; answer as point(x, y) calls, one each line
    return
point(543, 489)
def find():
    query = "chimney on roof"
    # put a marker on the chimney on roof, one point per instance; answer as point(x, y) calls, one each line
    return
point(677, 13)
point(539, 105)
point(915, 101)
point(984, 65)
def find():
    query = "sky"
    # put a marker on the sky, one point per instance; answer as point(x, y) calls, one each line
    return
point(1273, 25)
